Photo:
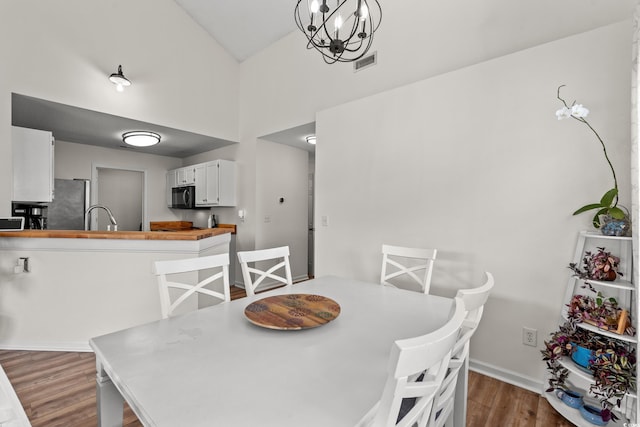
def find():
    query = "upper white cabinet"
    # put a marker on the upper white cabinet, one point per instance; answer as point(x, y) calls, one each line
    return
point(185, 176)
point(215, 183)
point(32, 165)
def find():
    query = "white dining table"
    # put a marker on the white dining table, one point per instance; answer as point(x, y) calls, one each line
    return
point(212, 367)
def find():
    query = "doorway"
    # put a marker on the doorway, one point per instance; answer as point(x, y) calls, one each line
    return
point(123, 191)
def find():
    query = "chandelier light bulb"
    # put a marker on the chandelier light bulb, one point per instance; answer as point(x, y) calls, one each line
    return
point(338, 23)
point(314, 7)
point(364, 12)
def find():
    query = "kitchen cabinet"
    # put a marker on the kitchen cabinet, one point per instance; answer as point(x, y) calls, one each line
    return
point(171, 182)
point(215, 183)
point(33, 152)
point(185, 176)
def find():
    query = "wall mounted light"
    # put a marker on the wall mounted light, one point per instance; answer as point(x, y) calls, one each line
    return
point(311, 139)
point(141, 138)
point(119, 79)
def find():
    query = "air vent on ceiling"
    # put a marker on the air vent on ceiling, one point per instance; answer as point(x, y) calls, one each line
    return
point(367, 61)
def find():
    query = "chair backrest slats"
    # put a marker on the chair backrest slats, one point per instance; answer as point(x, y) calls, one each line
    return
point(425, 258)
point(473, 301)
point(165, 268)
point(417, 367)
point(280, 255)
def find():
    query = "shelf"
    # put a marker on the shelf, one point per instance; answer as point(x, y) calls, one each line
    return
point(618, 283)
point(588, 327)
point(613, 335)
point(574, 416)
point(582, 373)
point(596, 235)
point(624, 291)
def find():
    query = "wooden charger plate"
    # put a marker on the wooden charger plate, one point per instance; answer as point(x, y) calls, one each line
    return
point(292, 311)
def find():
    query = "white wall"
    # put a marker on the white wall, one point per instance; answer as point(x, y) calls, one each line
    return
point(474, 163)
point(64, 51)
point(285, 85)
point(282, 171)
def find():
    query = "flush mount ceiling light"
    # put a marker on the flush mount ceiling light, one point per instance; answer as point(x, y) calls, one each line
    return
point(141, 138)
point(343, 33)
point(311, 139)
point(119, 79)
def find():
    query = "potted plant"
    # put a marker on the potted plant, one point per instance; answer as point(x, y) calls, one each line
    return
point(609, 217)
point(612, 363)
point(599, 266)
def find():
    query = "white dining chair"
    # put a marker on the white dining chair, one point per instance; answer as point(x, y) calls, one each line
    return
point(279, 255)
point(473, 300)
point(415, 260)
point(416, 369)
point(162, 269)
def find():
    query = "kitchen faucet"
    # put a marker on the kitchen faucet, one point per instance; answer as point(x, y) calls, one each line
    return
point(111, 218)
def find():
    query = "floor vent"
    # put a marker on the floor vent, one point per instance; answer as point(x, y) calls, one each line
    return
point(367, 61)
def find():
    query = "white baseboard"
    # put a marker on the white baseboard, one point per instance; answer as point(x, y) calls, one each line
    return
point(507, 376)
point(79, 346)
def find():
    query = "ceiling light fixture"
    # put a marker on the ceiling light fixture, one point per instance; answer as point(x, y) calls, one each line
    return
point(311, 139)
point(341, 34)
point(141, 138)
point(119, 79)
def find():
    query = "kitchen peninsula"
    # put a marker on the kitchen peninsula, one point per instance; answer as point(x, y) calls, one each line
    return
point(81, 284)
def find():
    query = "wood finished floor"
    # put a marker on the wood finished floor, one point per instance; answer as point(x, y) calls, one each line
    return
point(57, 389)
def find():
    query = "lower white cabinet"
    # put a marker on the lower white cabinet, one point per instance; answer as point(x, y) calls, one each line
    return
point(215, 183)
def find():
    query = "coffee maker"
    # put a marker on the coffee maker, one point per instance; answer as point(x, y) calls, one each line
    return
point(35, 215)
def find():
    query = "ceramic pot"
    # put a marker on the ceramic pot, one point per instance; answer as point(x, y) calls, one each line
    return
point(614, 227)
point(581, 355)
point(593, 415)
point(570, 398)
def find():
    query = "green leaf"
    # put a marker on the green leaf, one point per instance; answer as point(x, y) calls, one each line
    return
point(589, 207)
point(596, 217)
point(608, 197)
point(617, 213)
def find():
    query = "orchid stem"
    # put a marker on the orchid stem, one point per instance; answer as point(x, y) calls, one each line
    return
point(604, 148)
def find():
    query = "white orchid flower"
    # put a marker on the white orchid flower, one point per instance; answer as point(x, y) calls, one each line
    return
point(563, 113)
point(579, 111)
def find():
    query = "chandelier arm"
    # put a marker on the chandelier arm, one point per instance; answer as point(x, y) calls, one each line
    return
point(334, 49)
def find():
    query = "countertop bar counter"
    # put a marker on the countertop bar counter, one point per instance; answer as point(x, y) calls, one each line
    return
point(193, 234)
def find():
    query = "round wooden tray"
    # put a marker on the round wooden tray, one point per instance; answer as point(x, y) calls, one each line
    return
point(292, 311)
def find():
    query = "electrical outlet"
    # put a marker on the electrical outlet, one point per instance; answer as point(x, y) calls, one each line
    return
point(529, 336)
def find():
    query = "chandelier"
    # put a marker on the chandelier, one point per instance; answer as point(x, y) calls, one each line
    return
point(343, 33)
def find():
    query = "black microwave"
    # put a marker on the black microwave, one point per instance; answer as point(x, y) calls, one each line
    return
point(183, 197)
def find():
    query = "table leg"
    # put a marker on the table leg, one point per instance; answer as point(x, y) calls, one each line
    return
point(110, 404)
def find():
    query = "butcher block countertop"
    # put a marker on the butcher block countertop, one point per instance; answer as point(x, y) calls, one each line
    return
point(194, 234)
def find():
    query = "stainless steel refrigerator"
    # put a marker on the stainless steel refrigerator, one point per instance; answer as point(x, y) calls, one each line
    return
point(71, 198)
